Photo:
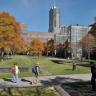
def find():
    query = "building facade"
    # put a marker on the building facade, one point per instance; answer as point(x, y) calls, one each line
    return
point(75, 34)
point(43, 36)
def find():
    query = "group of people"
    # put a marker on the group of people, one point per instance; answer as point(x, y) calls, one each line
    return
point(15, 71)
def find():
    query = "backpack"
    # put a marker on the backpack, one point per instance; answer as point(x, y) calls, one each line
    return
point(33, 70)
point(36, 69)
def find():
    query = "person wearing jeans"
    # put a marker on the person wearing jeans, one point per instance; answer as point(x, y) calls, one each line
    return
point(15, 71)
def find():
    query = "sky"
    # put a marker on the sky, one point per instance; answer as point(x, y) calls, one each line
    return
point(35, 13)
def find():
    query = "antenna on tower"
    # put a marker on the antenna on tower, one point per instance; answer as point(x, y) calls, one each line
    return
point(51, 3)
point(54, 2)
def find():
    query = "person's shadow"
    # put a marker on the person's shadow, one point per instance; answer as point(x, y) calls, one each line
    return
point(7, 79)
point(24, 80)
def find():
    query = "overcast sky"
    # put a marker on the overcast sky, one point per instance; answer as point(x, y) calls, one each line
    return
point(35, 13)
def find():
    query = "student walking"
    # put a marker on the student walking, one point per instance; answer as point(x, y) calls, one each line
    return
point(15, 71)
point(36, 71)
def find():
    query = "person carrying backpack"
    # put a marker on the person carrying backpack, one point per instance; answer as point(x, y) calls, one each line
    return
point(36, 71)
point(93, 77)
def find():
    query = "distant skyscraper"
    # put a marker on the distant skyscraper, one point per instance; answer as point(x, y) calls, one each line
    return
point(54, 19)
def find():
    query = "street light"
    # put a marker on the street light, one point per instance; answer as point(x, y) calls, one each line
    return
point(76, 40)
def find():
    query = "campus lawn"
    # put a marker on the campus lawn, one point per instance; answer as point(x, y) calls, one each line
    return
point(48, 67)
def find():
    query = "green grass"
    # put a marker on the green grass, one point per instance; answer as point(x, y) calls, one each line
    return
point(24, 61)
point(30, 92)
point(48, 67)
point(79, 89)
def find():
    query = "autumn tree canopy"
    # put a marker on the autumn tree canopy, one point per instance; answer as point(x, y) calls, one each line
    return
point(89, 40)
point(11, 38)
point(36, 46)
point(88, 43)
point(49, 48)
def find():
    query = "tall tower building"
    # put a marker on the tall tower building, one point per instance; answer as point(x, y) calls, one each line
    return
point(54, 19)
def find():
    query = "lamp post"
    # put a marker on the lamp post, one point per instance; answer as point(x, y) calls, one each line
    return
point(76, 40)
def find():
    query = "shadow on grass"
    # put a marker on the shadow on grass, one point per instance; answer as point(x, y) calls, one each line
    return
point(84, 65)
point(69, 69)
point(59, 81)
point(58, 61)
point(79, 89)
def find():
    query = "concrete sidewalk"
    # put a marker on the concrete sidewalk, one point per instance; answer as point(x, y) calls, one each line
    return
point(45, 80)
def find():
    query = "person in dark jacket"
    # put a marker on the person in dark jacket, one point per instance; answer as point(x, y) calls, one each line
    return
point(93, 78)
point(36, 71)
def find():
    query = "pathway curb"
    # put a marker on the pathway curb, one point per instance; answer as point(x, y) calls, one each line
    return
point(61, 91)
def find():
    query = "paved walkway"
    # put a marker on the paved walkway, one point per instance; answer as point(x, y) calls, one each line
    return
point(45, 80)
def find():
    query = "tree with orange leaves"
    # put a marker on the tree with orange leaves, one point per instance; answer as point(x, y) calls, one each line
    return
point(11, 39)
point(50, 47)
point(36, 47)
